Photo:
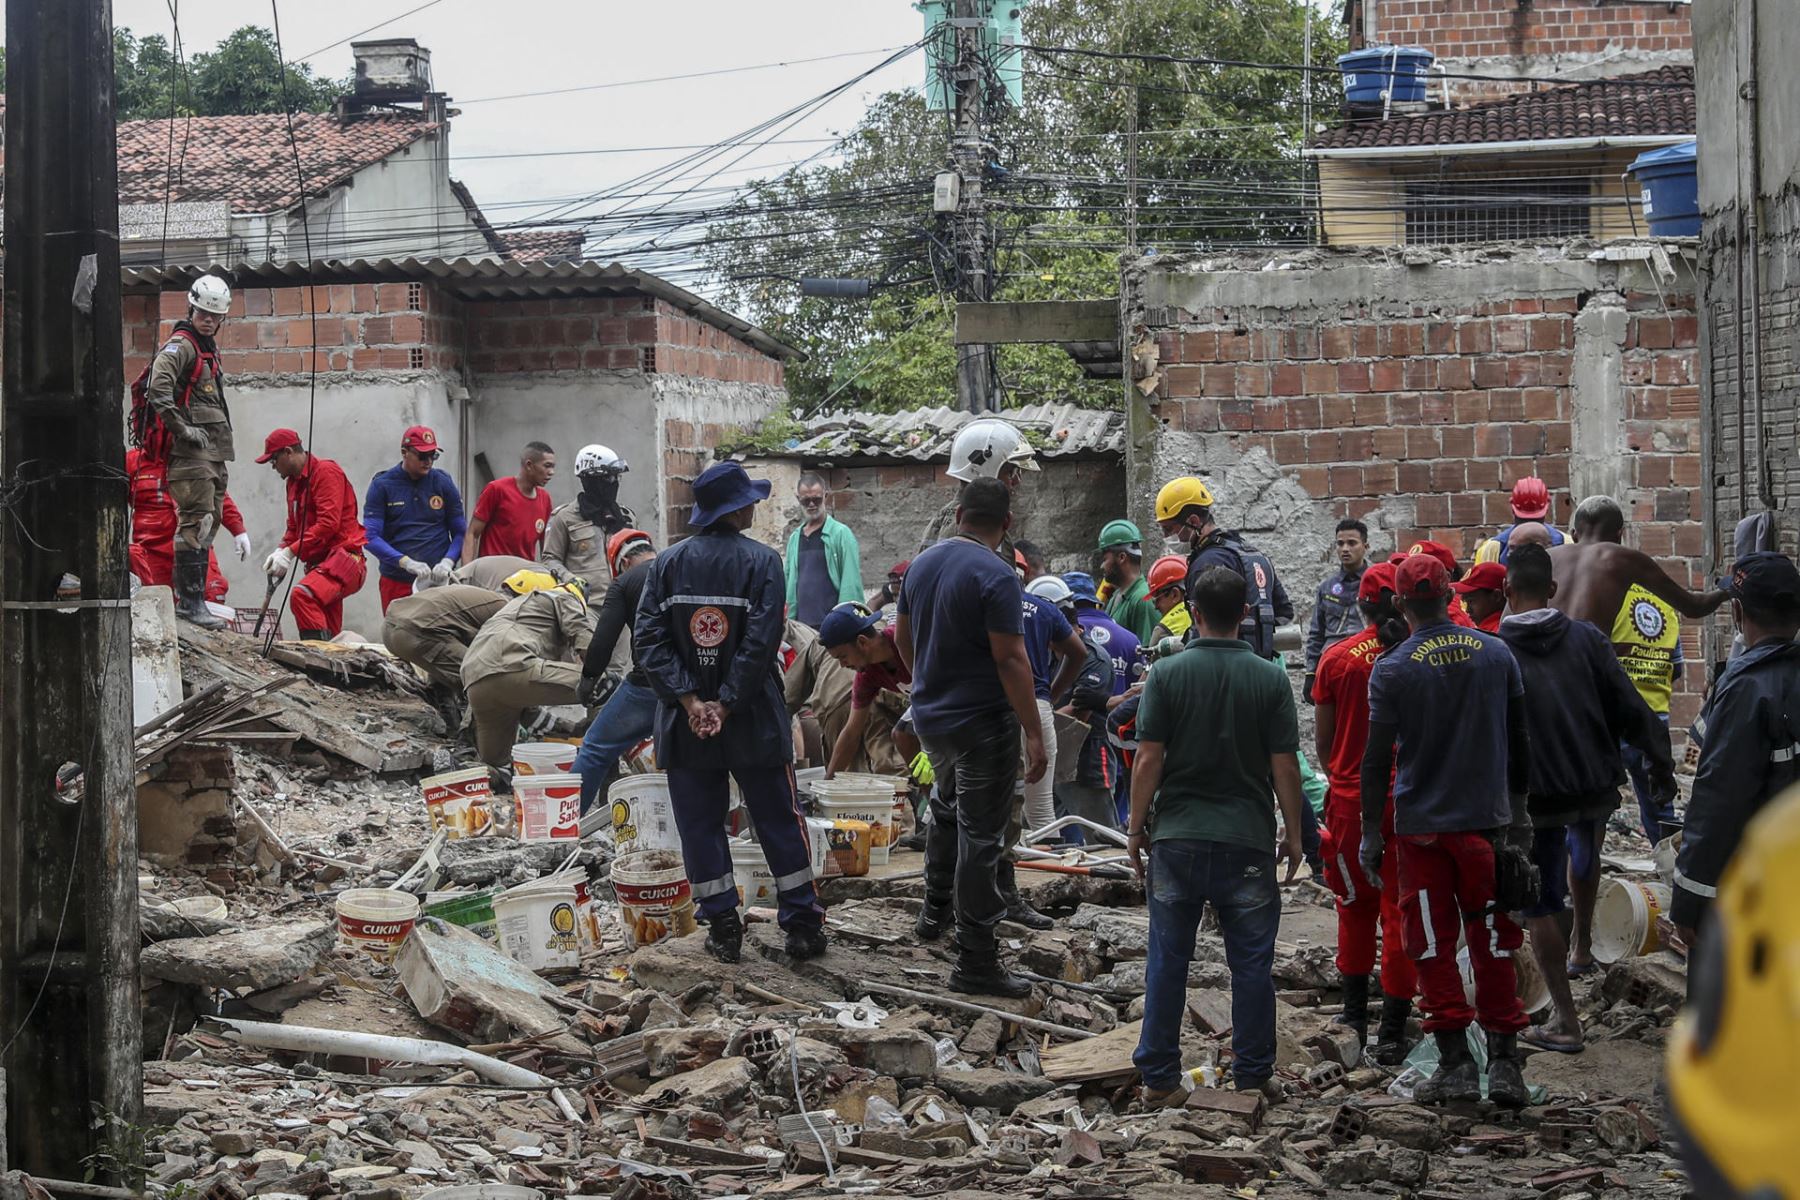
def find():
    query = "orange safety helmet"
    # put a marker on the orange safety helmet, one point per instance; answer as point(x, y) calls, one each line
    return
point(623, 542)
point(1168, 571)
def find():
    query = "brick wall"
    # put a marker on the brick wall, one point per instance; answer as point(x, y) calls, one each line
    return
point(418, 327)
point(1418, 416)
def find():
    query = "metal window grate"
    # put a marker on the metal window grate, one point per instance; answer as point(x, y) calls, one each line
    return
point(1498, 209)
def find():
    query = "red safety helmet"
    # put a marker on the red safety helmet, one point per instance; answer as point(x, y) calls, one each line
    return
point(626, 541)
point(1168, 571)
point(1530, 499)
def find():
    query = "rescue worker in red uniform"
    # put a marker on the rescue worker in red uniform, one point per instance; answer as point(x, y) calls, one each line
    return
point(153, 521)
point(1341, 696)
point(324, 533)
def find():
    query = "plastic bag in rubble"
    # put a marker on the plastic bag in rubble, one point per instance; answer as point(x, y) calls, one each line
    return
point(946, 1052)
point(863, 1014)
point(878, 1114)
point(1422, 1064)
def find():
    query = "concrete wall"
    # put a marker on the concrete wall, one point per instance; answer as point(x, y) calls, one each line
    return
point(1413, 396)
point(890, 507)
point(691, 417)
point(567, 410)
point(1749, 172)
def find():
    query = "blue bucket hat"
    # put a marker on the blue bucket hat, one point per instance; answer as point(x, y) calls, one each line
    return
point(1081, 587)
point(724, 488)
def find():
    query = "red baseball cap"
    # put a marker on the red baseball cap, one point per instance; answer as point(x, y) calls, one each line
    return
point(900, 567)
point(1436, 550)
point(1396, 558)
point(1374, 581)
point(420, 438)
point(1530, 499)
point(1482, 577)
point(276, 442)
point(1421, 577)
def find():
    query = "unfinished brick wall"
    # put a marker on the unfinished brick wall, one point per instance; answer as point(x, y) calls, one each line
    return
point(1617, 36)
point(1418, 416)
point(634, 333)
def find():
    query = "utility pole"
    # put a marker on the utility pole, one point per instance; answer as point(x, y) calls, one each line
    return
point(1131, 173)
point(69, 1003)
point(974, 364)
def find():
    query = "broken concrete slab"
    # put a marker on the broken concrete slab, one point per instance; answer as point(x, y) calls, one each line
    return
point(988, 1087)
point(902, 1053)
point(1616, 1068)
point(1107, 1056)
point(679, 1050)
point(460, 982)
point(720, 1086)
point(254, 958)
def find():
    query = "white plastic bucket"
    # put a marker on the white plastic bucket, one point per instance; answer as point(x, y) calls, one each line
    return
point(548, 807)
point(642, 816)
point(209, 908)
point(544, 758)
point(655, 901)
point(756, 882)
point(376, 920)
point(587, 921)
point(867, 798)
point(459, 802)
point(1625, 913)
point(538, 925)
point(1529, 984)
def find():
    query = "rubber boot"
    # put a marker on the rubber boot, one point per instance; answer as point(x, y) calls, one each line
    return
point(190, 590)
point(1017, 911)
point(725, 936)
point(1457, 1077)
point(979, 971)
point(313, 635)
point(933, 920)
point(805, 941)
point(1389, 1048)
point(1355, 1016)
point(1506, 1079)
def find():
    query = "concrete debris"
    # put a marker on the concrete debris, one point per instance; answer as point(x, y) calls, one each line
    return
point(661, 1074)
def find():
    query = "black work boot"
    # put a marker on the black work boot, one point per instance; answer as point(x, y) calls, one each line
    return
point(1355, 1016)
point(805, 941)
point(1506, 1081)
point(1389, 1048)
point(933, 920)
point(979, 971)
point(1017, 910)
point(725, 936)
point(1457, 1077)
point(313, 635)
point(190, 590)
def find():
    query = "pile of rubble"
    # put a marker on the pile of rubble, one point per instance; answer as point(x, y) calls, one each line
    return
point(286, 1064)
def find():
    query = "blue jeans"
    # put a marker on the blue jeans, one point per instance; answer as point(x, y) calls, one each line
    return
point(626, 719)
point(1638, 767)
point(1184, 877)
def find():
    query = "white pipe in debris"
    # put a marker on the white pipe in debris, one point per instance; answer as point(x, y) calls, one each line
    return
point(305, 1039)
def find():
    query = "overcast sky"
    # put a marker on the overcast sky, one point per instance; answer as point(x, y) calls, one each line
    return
point(482, 49)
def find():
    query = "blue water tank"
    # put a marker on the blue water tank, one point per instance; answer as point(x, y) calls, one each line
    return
point(1671, 189)
point(1374, 70)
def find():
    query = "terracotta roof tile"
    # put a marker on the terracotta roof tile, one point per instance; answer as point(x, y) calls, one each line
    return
point(1621, 107)
point(541, 245)
point(246, 161)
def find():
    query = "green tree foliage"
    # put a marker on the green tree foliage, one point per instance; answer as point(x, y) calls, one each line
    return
point(1218, 165)
point(236, 77)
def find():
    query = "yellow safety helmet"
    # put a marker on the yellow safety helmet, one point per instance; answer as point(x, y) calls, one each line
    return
point(1737, 1045)
point(522, 581)
point(577, 585)
point(1179, 494)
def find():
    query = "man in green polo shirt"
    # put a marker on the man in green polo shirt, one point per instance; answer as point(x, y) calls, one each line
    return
point(1218, 743)
point(1126, 593)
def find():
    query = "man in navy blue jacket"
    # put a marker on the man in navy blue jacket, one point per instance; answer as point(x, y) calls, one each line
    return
point(413, 519)
point(708, 637)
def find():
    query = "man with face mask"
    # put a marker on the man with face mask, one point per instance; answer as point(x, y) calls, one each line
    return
point(575, 539)
point(1184, 511)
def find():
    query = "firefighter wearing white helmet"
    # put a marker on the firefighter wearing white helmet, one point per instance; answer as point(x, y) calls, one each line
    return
point(575, 538)
point(187, 424)
point(987, 448)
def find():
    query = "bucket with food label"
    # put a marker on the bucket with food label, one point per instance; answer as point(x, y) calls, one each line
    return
point(548, 807)
point(376, 920)
point(655, 901)
point(459, 802)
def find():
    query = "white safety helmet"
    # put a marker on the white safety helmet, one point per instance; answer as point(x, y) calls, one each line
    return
point(1050, 588)
point(595, 459)
point(982, 447)
point(210, 294)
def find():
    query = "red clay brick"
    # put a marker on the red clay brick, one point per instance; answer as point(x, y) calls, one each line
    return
point(1177, 381)
point(1199, 347)
point(1287, 380)
point(1421, 442)
point(1458, 441)
point(1346, 481)
point(1320, 378)
point(1306, 412)
point(1388, 443)
point(1431, 509)
point(1483, 473)
point(1252, 381)
point(1447, 475)
point(1322, 448)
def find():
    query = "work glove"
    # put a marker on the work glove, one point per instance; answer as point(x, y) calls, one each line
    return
point(1306, 687)
point(586, 689)
point(1369, 856)
point(922, 773)
point(277, 565)
point(242, 542)
point(440, 574)
point(557, 571)
point(192, 436)
point(419, 570)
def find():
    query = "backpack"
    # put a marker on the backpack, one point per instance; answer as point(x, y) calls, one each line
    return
point(1259, 626)
point(147, 430)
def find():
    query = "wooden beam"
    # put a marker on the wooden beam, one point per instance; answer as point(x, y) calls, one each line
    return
point(1001, 323)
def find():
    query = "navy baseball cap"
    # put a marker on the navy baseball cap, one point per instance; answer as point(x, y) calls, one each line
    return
point(1765, 577)
point(724, 488)
point(1081, 587)
point(845, 623)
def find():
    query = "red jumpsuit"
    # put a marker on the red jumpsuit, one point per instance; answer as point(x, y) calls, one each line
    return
point(153, 524)
point(1342, 681)
point(324, 531)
